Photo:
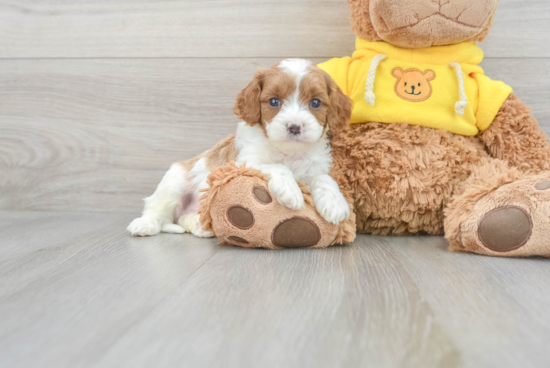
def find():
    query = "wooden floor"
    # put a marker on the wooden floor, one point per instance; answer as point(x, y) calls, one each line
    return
point(77, 291)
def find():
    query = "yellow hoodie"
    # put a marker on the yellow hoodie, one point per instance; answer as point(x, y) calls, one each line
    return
point(439, 87)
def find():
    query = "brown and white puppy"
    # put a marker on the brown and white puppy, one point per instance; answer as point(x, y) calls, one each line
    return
point(288, 112)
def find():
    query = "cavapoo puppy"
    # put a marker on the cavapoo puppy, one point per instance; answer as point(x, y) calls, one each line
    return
point(288, 113)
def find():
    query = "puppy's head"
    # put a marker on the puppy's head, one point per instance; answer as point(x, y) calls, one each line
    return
point(295, 104)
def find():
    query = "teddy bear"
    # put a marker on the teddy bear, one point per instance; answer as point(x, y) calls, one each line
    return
point(434, 146)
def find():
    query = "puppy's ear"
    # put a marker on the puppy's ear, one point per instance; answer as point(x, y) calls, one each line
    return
point(339, 111)
point(248, 106)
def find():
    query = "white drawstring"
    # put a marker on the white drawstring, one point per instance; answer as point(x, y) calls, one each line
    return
point(460, 106)
point(370, 97)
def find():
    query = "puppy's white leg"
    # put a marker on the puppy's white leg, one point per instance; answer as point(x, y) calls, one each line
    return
point(172, 229)
point(283, 186)
point(198, 177)
point(160, 208)
point(329, 201)
point(189, 220)
point(191, 223)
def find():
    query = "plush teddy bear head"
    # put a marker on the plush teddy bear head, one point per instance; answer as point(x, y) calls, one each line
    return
point(422, 23)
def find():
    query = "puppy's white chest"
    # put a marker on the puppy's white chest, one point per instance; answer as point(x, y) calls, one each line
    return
point(255, 148)
point(305, 167)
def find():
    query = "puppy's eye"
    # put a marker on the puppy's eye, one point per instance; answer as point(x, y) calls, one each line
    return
point(274, 102)
point(405, 84)
point(418, 84)
point(315, 103)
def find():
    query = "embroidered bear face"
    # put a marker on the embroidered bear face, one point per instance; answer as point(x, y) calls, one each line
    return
point(413, 84)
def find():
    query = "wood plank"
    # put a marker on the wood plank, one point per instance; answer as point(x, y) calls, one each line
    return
point(510, 302)
point(98, 128)
point(126, 277)
point(521, 28)
point(346, 306)
point(97, 135)
point(223, 28)
point(191, 28)
point(109, 300)
point(18, 241)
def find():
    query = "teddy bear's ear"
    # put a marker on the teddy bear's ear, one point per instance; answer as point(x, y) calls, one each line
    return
point(397, 72)
point(339, 111)
point(360, 20)
point(429, 74)
point(248, 105)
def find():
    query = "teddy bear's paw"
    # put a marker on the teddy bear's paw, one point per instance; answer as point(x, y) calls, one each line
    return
point(245, 213)
point(513, 221)
point(505, 228)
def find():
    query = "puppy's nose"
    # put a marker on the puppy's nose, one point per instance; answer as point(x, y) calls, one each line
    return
point(294, 129)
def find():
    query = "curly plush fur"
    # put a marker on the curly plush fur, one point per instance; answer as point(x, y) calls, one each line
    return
point(402, 176)
point(407, 180)
point(410, 179)
point(361, 23)
point(515, 137)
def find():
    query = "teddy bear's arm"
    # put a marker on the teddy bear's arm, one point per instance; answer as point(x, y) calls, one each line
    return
point(515, 137)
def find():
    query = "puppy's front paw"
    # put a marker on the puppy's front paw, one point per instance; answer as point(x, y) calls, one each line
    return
point(201, 233)
point(198, 231)
point(287, 192)
point(144, 226)
point(192, 224)
point(331, 205)
point(329, 201)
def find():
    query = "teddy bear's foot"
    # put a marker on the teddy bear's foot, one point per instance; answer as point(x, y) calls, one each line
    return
point(240, 210)
point(511, 221)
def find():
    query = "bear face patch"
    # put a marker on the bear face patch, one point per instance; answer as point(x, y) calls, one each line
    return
point(412, 84)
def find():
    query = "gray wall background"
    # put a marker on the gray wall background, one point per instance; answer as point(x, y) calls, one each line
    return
point(99, 97)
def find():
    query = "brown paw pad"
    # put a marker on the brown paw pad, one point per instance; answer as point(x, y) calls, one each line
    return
point(262, 195)
point(240, 217)
point(505, 228)
point(296, 232)
point(543, 185)
point(236, 239)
